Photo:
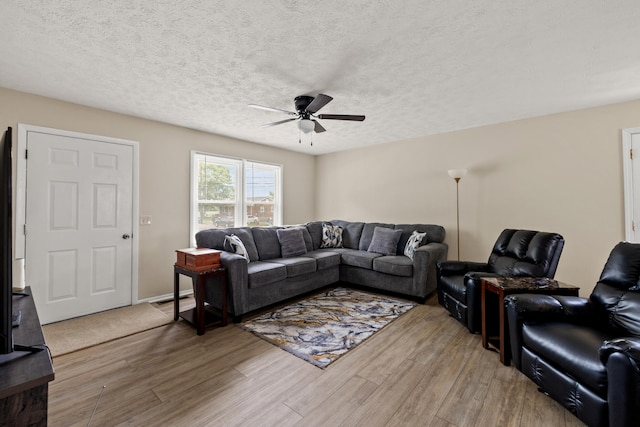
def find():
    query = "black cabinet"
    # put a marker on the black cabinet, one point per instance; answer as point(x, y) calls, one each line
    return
point(25, 376)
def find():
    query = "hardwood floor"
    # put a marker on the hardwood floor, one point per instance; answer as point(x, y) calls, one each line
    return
point(424, 369)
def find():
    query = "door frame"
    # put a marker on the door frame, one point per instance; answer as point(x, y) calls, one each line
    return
point(627, 170)
point(21, 191)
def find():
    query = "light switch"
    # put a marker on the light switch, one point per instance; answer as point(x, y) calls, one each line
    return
point(145, 220)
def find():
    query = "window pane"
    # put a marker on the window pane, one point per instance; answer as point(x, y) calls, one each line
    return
point(216, 194)
point(262, 183)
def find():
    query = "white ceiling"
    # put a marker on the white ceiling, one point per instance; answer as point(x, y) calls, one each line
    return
point(413, 67)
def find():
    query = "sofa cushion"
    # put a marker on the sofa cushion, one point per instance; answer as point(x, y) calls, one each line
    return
point(435, 233)
point(397, 265)
point(291, 242)
point(315, 231)
point(413, 243)
point(572, 348)
point(297, 266)
point(385, 241)
point(267, 242)
point(360, 259)
point(331, 236)
point(232, 243)
point(308, 241)
point(325, 258)
point(214, 239)
point(351, 232)
point(621, 306)
point(247, 239)
point(261, 273)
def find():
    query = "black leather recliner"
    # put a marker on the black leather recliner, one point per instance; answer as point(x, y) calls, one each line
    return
point(516, 253)
point(585, 353)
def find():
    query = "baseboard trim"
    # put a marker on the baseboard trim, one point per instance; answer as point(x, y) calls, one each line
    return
point(165, 297)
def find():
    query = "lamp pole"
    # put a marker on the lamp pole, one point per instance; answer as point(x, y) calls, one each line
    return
point(458, 215)
point(456, 174)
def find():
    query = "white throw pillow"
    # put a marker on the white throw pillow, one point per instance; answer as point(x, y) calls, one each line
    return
point(235, 245)
point(413, 243)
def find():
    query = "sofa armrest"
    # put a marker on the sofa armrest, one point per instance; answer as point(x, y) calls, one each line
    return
point(548, 308)
point(237, 281)
point(629, 346)
point(453, 268)
point(522, 308)
point(621, 356)
point(425, 259)
point(473, 283)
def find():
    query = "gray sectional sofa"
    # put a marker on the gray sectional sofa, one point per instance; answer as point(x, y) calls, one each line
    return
point(280, 267)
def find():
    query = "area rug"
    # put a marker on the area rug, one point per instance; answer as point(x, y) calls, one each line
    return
point(86, 331)
point(324, 327)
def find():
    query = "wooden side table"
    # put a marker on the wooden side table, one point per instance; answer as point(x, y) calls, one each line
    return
point(494, 319)
point(200, 316)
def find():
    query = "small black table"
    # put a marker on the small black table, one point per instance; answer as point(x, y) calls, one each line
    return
point(200, 316)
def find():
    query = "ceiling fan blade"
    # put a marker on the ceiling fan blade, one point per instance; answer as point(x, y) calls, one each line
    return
point(318, 102)
point(341, 117)
point(277, 110)
point(279, 123)
point(319, 128)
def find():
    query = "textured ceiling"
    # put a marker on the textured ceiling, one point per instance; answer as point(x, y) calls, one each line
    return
point(413, 67)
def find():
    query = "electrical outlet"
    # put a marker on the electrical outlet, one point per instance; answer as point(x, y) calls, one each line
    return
point(145, 220)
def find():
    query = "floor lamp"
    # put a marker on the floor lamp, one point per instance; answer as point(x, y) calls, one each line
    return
point(456, 174)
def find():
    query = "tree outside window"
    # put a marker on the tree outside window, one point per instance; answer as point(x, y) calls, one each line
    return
point(216, 195)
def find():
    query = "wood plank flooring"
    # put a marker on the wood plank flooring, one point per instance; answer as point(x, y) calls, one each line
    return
point(424, 369)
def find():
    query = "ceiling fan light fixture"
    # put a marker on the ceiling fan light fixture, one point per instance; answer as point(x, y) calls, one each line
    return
point(306, 125)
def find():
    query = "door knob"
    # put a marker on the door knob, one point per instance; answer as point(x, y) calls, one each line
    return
point(125, 236)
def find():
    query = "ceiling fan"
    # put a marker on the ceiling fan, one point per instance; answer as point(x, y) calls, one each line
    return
point(306, 107)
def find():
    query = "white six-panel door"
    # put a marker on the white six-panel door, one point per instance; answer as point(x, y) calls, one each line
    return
point(79, 224)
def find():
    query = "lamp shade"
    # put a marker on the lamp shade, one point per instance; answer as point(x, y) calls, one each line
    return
point(457, 173)
point(306, 125)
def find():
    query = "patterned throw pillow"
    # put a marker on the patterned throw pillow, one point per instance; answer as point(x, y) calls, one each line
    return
point(413, 243)
point(331, 236)
point(232, 243)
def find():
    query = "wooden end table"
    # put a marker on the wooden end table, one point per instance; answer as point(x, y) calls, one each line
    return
point(200, 316)
point(494, 319)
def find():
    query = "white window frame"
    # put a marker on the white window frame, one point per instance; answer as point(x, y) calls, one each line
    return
point(240, 197)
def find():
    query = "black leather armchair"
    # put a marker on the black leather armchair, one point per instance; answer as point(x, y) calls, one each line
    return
point(585, 353)
point(516, 253)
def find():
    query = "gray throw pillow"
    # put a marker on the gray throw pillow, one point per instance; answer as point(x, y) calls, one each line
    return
point(291, 242)
point(385, 241)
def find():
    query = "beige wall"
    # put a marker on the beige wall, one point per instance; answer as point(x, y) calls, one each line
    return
point(164, 173)
point(560, 173)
